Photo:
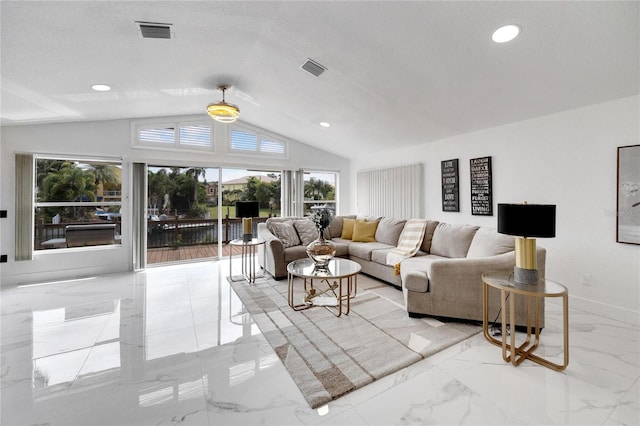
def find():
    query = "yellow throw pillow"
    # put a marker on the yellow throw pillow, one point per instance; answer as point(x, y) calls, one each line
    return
point(364, 231)
point(347, 228)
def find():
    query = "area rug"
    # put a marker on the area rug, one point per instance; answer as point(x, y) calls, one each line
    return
point(329, 356)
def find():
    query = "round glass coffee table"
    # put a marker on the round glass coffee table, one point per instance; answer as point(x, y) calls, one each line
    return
point(332, 287)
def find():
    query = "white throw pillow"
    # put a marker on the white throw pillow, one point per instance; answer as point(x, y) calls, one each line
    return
point(306, 231)
point(286, 233)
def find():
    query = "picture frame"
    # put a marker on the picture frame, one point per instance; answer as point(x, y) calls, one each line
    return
point(628, 195)
point(450, 186)
point(481, 188)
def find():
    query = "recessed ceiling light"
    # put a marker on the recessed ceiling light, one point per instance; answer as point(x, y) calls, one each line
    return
point(325, 124)
point(506, 33)
point(101, 87)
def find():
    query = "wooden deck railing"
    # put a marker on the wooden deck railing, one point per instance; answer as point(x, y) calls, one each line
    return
point(171, 233)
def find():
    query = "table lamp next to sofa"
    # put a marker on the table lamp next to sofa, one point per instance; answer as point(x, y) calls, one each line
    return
point(527, 222)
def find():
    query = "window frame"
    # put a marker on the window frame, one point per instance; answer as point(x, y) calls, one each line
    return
point(333, 203)
point(261, 137)
point(176, 125)
point(44, 204)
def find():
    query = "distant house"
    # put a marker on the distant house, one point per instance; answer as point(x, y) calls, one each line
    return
point(241, 183)
point(212, 192)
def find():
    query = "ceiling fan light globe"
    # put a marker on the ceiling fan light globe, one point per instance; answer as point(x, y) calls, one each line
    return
point(223, 112)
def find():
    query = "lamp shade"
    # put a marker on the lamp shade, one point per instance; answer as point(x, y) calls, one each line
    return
point(527, 220)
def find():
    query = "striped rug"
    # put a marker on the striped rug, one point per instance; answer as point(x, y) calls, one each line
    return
point(328, 356)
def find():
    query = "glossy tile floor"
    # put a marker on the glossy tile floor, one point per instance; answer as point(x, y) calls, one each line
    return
point(173, 345)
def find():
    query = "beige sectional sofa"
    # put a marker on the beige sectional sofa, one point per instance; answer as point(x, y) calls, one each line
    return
point(443, 279)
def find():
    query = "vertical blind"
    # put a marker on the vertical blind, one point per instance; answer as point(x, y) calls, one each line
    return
point(139, 217)
point(24, 207)
point(393, 192)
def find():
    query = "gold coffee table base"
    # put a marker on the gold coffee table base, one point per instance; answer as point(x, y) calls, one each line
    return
point(339, 281)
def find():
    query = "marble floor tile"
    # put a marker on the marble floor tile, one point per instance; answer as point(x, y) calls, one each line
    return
point(174, 345)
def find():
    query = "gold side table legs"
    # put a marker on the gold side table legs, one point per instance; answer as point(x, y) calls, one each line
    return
point(517, 354)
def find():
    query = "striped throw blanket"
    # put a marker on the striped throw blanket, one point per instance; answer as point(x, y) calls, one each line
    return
point(408, 243)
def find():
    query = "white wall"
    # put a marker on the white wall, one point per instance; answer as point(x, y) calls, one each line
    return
point(112, 139)
point(567, 159)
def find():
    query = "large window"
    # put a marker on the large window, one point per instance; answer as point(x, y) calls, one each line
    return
point(77, 203)
point(319, 189)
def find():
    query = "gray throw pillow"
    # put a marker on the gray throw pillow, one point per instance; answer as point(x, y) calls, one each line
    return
point(286, 233)
point(306, 231)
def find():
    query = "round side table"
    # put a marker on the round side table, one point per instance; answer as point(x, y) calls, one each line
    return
point(534, 293)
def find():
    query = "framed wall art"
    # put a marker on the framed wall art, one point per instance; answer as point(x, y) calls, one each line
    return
point(481, 199)
point(628, 209)
point(450, 186)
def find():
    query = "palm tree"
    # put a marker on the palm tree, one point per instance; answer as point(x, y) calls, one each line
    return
point(195, 172)
point(71, 183)
point(108, 174)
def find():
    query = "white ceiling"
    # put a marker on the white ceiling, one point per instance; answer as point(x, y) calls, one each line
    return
point(399, 73)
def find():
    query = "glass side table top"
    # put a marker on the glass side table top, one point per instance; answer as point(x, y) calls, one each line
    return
point(504, 281)
point(241, 242)
point(337, 268)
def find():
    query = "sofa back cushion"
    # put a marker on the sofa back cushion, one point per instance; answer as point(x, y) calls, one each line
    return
point(285, 232)
point(487, 242)
point(335, 227)
point(452, 241)
point(428, 235)
point(389, 230)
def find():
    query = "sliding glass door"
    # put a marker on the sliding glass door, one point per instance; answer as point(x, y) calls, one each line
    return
point(191, 212)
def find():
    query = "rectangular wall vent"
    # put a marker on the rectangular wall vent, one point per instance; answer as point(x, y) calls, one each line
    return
point(313, 67)
point(154, 29)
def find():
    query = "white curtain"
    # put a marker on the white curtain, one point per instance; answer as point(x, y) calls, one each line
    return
point(292, 193)
point(393, 192)
point(286, 193)
point(24, 207)
point(139, 215)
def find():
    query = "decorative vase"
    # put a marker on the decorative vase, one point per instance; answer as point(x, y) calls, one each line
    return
point(321, 252)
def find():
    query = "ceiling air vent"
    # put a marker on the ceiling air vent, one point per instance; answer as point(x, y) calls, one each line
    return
point(154, 29)
point(313, 67)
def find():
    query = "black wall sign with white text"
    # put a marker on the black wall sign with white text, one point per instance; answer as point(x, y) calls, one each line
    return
point(450, 186)
point(481, 200)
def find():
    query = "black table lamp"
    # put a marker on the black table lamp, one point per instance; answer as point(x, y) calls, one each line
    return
point(527, 222)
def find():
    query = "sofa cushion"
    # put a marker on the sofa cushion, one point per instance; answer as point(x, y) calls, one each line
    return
point(487, 242)
point(364, 232)
point(389, 230)
point(335, 227)
point(428, 235)
point(347, 228)
point(294, 253)
point(379, 255)
point(306, 231)
point(451, 240)
point(364, 250)
point(286, 233)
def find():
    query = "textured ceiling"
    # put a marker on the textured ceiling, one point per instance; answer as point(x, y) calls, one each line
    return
point(399, 73)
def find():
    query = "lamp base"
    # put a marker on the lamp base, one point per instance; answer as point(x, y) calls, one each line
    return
point(525, 276)
point(247, 238)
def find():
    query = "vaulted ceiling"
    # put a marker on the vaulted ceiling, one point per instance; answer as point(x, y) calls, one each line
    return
point(398, 73)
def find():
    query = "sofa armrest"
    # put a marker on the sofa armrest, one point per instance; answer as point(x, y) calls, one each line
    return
point(465, 270)
point(274, 256)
